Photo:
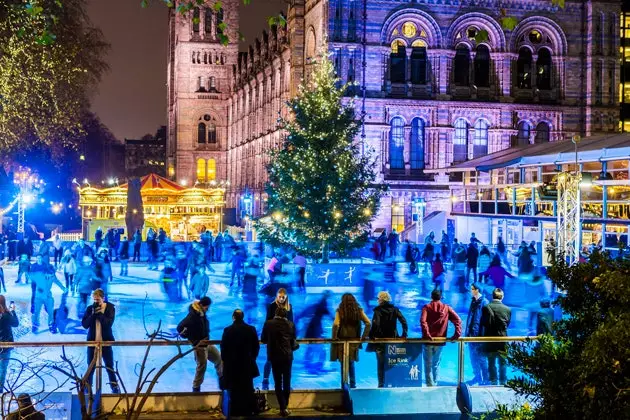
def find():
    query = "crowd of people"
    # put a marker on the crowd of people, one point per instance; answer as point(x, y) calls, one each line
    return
point(185, 275)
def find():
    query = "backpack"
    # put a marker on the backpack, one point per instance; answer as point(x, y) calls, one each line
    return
point(182, 329)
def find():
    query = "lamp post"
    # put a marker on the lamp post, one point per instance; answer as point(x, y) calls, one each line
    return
point(26, 182)
point(419, 205)
point(248, 209)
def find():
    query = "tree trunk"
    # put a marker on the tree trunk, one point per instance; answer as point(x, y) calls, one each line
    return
point(325, 253)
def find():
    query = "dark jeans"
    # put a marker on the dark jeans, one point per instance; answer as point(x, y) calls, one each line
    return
point(136, 252)
point(69, 278)
point(57, 255)
point(380, 366)
point(12, 250)
point(351, 373)
point(282, 381)
point(108, 358)
point(474, 270)
point(492, 368)
point(479, 363)
point(301, 275)
point(5, 355)
point(266, 370)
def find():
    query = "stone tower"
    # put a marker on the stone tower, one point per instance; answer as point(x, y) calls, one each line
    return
point(200, 80)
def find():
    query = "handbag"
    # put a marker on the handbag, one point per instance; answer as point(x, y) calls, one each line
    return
point(260, 401)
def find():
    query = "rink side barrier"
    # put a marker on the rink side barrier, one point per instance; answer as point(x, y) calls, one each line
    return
point(345, 363)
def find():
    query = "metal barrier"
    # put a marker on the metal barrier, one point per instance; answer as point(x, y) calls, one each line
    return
point(346, 350)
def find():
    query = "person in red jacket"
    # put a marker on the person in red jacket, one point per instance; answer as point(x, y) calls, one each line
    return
point(434, 323)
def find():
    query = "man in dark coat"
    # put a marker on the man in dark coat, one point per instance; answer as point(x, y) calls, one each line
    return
point(472, 255)
point(196, 328)
point(98, 320)
point(279, 336)
point(98, 238)
point(239, 350)
point(473, 329)
point(25, 247)
point(495, 319)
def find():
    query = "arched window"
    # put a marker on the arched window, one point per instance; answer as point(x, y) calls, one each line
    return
point(201, 133)
point(398, 62)
point(311, 43)
point(195, 20)
point(543, 69)
point(418, 64)
point(207, 20)
point(351, 70)
point(417, 144)
point(212, 133)
point(200, 82)
point(212, 170)
point(542, 133)
point(352, 21)
point(219, 25)
point(460, 141)
point(482, 66)
point(524, 133)
point(212, 84)
point(396, 143)
point(480, 142)
point(337, 30)
point(524, 69)
point(461, 66)
point(201, 170)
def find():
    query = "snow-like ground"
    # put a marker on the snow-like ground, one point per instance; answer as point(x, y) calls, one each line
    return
point(140, 301)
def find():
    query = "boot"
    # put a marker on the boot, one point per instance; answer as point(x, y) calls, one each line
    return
point(196, 389)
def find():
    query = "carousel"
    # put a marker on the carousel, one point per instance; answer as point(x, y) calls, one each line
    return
point(182, 212)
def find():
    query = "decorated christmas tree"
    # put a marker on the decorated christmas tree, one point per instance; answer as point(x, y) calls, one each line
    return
point(321, 192)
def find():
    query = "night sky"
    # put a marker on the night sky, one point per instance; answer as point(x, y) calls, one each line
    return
point(131, 99)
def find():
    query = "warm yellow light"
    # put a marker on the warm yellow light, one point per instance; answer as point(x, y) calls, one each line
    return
point(277, 215)
point(367, 212)
point(88, 213)
point(337, 214)
point(307, 214)
point(134, 211)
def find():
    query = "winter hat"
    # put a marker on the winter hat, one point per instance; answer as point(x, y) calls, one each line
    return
point(205, 301)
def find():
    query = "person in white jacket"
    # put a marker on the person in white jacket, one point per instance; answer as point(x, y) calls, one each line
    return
point(69, 266)
point(58, 249)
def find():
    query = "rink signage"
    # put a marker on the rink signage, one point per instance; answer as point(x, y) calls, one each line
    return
point(403, 365)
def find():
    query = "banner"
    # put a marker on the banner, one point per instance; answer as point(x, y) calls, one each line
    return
point(403, 365)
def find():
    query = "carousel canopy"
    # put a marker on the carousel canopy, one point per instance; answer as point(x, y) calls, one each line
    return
point(590, 149)
point(153, 181)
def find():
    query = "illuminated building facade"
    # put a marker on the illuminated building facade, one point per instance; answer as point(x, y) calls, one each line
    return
point(444, 83)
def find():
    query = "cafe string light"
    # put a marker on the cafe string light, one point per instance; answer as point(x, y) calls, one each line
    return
point(321, 190)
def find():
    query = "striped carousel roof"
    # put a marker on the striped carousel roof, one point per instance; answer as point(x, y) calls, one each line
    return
point(153, 181)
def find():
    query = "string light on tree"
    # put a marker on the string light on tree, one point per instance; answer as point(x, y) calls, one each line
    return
point(321, 193)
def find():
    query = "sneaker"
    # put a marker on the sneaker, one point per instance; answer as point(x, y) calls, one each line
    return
point(265, 384)
point(115, 390)
point(196, 389)
point(285, 413)
point(34, 329)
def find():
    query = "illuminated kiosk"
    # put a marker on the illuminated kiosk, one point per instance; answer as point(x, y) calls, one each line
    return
point(182, 212)
point(513, 193)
